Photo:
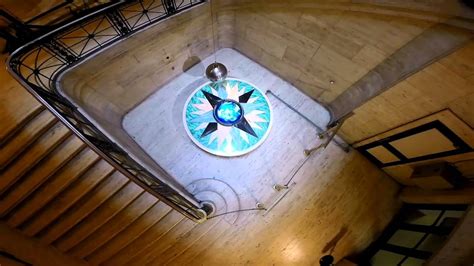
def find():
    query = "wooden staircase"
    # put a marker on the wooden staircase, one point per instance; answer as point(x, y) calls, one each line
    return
point(55, 189)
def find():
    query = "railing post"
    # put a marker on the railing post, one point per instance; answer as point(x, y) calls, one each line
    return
point(120, 24)
point(170, 6)
point(61, 51)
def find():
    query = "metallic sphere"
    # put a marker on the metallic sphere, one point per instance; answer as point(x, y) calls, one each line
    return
point(216, 72)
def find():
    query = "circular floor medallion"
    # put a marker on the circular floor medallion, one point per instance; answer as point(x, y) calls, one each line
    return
point(228, 118)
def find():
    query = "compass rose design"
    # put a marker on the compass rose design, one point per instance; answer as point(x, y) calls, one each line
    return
point(228, 118)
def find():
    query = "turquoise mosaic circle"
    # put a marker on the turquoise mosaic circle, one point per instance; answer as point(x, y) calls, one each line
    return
point(228, 118)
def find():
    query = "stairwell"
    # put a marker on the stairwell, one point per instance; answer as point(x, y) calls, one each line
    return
point(55, 189)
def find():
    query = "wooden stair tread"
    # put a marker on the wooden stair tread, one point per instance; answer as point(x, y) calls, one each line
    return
point(40, 148)
point(9, 262)
point(17, 106)
point(84, 207)
point(99, 217)
point(88, 181)
point(53, 186)
point(147, 238)
point(186, 229)
point(113, 227)
point(132, 232)
point(182, 228)
point(27, 135)
point(190, 253)
point(182, 244)
point(38, 175)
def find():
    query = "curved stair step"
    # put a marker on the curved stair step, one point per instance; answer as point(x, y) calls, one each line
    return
point(131, 233)
point(25, 137)
point(33, 155)
point(18, 106)
point(67, 198)
point(84, 207)
point(106, 211)
point(150, 237)
point(40, 174)
point(42, 195)
point(116, 225)
point(171, 248)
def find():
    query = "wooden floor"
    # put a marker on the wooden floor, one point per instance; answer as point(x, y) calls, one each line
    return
point(55, 189)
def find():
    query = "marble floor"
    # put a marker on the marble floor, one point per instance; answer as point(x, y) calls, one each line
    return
point(239, 182)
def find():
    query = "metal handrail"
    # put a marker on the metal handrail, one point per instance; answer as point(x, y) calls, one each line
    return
point(19, 32)
point(38, 64)
point(74, 11)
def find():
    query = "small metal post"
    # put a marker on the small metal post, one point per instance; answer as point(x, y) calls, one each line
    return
point(279, 187)
point(331, 132)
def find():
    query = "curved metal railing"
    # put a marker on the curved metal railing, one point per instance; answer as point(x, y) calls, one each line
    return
point(38, 64)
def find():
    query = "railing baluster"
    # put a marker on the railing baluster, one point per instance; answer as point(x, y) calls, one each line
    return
point(61, 51)
point(170, 6)
point(118, 22)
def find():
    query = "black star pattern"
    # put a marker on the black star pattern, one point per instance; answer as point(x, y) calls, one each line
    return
point(211, 127)
point(245, 97)
point(243, 124)
point(211, 98)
